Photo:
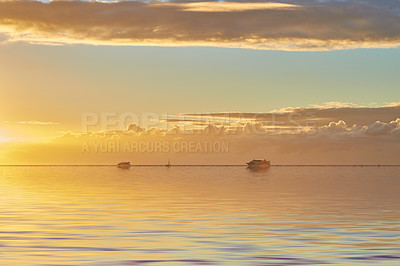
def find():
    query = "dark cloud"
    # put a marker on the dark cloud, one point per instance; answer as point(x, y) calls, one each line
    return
point(320, 115)
point(297, 25)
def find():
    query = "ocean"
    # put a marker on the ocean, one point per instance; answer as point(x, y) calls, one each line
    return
point(192, 215)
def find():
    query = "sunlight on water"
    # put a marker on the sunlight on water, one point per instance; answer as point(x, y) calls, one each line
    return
point(199, 216)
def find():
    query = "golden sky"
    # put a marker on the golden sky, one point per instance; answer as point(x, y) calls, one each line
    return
point(208, 73)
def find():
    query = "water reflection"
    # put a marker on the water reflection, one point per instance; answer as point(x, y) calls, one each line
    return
point(199, 216)
point(258, 170)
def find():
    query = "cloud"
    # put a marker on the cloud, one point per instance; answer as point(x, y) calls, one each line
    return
point(334, 143)
point(225, 6)
point(37, 123)
point(314, 115)
point(134, 128)
point(32, 122)
point(344, 134)
point(308, 25)
point(335, 127)
point(377, 128)
point(382, 128)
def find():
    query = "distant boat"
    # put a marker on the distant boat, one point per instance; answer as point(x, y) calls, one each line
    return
point(259, 164)
point(168, 164)
point(124, 165)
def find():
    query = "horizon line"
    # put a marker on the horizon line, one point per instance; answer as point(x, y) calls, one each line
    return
point(196, 165)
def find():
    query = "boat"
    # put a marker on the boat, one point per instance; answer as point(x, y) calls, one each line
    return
point(258, 164)
point(168, 164)
point(124, 165)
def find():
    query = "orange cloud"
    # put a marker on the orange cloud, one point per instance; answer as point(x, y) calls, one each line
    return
point(331, 135)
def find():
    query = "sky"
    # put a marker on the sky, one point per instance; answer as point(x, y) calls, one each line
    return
point(332, 66)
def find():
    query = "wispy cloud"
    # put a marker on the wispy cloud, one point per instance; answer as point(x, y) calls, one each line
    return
point(225, 6)
point(333, 119)
point(294, 25)
point(320, 114)
point(37, 123)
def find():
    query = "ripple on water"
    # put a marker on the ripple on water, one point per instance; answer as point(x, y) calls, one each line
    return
point(199, 216)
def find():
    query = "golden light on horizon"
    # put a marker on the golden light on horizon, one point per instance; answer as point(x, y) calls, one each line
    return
point(3, 139)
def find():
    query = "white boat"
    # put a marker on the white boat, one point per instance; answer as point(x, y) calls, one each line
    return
point(259, 164)
point(124, 165)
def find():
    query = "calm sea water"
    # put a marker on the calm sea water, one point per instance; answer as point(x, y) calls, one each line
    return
point(199, 216)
